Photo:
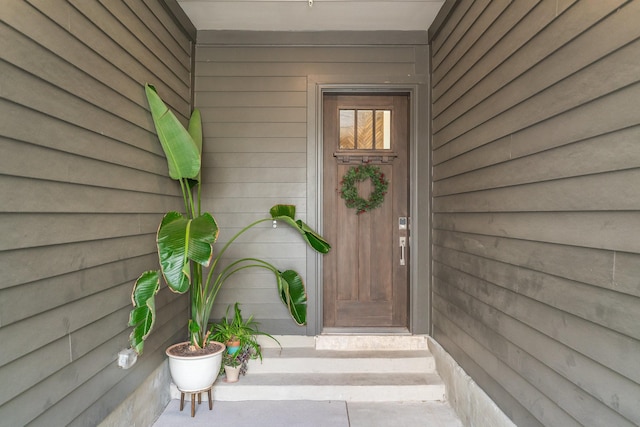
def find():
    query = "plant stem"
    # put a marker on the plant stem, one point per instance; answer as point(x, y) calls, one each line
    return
point(224, 248)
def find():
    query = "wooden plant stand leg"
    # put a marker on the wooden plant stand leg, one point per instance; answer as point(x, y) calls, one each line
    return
point(193, 400)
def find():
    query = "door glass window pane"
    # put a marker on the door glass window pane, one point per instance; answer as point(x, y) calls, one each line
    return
point(347, 129)
point(383, 129)
point(365, 129)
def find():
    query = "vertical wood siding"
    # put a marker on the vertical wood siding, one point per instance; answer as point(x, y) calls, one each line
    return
point(536, 200)
point(252, 91)
point(83, 186)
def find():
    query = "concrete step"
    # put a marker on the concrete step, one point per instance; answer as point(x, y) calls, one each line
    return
point(395, 387)
point(308, 360)
point(349, 368)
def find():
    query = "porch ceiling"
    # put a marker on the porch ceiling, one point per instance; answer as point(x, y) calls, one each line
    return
point(319, 15)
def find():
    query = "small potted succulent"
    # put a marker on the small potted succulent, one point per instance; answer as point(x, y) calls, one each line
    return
point(235, 364)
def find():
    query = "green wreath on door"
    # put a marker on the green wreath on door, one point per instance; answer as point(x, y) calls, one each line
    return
point(349, 189)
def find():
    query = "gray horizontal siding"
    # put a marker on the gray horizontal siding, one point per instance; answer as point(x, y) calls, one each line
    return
point(83, 186)
point(288, 69)
point(305, 55)
point(588, 156)
point(312, 38)
point(51, 131)
point(252, 92)
point(536, 170)
point(245, 84)
point(606, 230)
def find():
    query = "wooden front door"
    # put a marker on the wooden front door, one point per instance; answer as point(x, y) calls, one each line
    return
point(366, 273)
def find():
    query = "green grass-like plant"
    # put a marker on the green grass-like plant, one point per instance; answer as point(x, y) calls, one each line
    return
point(246, 332)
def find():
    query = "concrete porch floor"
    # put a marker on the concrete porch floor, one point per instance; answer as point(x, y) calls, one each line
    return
point(305, 413)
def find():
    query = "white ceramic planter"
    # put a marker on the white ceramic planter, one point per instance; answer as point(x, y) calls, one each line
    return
point(194, 373)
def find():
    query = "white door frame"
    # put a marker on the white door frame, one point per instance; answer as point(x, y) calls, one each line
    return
point(419, 187)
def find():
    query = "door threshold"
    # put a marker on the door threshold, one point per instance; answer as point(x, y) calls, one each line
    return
point(378, 342)
point(365, 331)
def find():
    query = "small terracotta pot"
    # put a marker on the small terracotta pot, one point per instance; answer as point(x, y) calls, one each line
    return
point(232, 346)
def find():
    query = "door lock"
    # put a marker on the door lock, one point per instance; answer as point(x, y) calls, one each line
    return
point(402, 223)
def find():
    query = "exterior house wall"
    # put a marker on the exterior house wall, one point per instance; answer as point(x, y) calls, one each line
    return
point(536, 192)
point(253, 92)
point(84, 185)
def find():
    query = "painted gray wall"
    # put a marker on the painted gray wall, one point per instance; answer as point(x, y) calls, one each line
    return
point(536, 170)
point(83, 187)
point(253, 91)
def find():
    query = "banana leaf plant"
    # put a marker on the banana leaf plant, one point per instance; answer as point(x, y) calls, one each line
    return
point(185, 241)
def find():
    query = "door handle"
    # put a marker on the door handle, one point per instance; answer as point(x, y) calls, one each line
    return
point(403, 247)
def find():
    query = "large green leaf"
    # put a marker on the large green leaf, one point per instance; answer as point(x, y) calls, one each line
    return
point(293, 295)
point(286, 213)
point(283, 210)
point(143, 315)
point(315, 240)
point(204, 233)
point(180, 240)
point(183, 154)
point(195, 130)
